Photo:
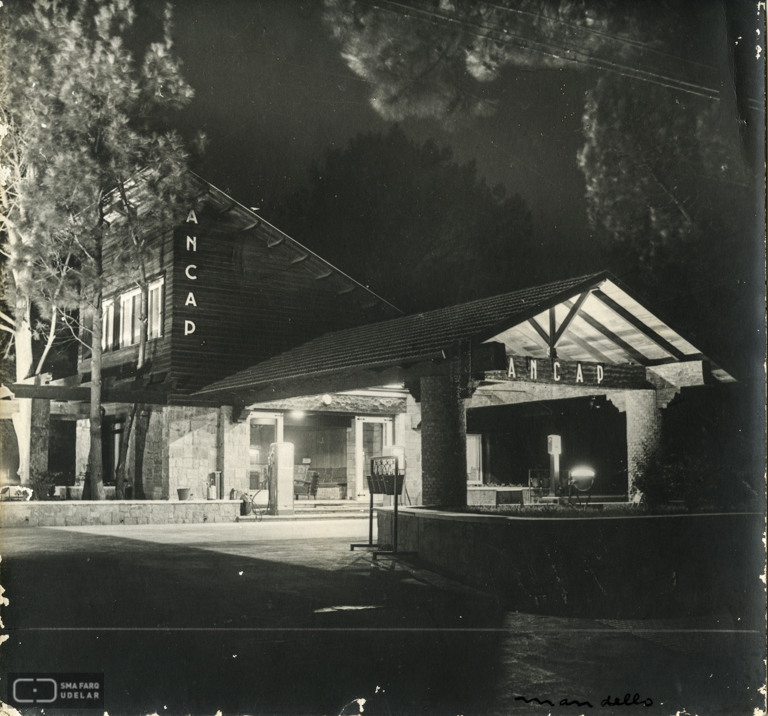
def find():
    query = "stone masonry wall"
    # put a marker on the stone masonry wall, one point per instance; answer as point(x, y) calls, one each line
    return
point(129, 512)
point(192, 448)
point(644, 424)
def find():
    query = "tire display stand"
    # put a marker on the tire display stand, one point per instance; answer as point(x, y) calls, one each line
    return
point(385, 479)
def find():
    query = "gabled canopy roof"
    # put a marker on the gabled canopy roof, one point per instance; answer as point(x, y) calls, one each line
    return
point(591, 318)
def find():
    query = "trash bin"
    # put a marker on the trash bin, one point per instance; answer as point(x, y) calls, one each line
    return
point(246, 508)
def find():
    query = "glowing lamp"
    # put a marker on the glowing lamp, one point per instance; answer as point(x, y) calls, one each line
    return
point(582, 477)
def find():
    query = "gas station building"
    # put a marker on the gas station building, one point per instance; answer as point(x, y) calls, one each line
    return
point(254, 340)
point(468, 394)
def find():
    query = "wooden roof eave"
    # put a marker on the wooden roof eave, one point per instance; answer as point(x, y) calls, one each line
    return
point(330, 381)
point(251, 220)
point(685, 335)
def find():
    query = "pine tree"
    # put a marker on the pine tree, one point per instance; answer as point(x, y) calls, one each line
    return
point(97, 163)
point(420, 228)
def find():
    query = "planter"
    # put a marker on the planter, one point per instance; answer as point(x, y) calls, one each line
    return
point(624, 567)
point(183, 493)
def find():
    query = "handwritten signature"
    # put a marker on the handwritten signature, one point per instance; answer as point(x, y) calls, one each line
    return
point(628, 700)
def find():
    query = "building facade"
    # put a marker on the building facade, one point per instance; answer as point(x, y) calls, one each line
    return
point(250, 339)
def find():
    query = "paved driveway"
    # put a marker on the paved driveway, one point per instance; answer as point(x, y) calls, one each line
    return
point(280, 617)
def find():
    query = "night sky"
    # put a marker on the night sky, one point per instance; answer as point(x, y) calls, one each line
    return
point(273, 92)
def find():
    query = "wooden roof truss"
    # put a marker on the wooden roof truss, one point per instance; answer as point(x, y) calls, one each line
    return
point(602, 323)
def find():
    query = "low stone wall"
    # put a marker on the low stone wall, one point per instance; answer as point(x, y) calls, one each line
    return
point(118, 512)
point(494, 496)
point(599, 567)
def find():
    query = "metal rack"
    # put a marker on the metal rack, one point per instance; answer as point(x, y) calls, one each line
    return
point(385, 479)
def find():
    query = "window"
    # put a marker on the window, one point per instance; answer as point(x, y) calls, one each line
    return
point(108, 325)
point(130, 311)
point(155, 309)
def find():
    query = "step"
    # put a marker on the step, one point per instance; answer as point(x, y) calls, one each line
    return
point(298, 516)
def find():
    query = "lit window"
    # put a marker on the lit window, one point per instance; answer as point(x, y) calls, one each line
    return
point(108, 325)
point(155, 309)
point(130, 312)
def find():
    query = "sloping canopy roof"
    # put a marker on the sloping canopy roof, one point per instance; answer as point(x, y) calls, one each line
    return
point(590, 318)
point(240, 218)
point(299, 255)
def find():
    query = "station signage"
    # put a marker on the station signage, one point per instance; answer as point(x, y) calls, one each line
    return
point(573, 373)
point(190, 273)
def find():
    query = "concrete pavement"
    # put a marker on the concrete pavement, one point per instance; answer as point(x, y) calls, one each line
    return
point(273, 618)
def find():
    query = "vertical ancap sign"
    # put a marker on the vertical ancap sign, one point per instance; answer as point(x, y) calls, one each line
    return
point(191, 246)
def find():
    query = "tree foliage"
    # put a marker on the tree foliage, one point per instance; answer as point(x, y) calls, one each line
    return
point(660, 140)
point(438, 60)
point(407, 219)
point(670, 194)
point(659, 169)
point(667, 189)
point(92, 159)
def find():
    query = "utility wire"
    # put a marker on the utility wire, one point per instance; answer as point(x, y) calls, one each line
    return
point(547, 49)
point(550, 50)
point(606, 35)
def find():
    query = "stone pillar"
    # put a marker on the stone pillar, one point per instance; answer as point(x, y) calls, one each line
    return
point(644, 424)
point(281, 480)
point(38, 441)
point(351, 462)
point(233, 458)
point(443, 442)
point(82, 448)
point(148, 453)
point(412, 443)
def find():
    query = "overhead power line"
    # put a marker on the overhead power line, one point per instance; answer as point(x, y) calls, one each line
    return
point(591, 30)
point(565, 53)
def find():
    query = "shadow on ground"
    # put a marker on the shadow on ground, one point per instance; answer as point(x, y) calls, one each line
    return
point(249, 628)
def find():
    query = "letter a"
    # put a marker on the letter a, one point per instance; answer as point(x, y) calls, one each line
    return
point(511, 370)
point(190, 300)
point(189, 327)
point(579, 374)
point(191, 216)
